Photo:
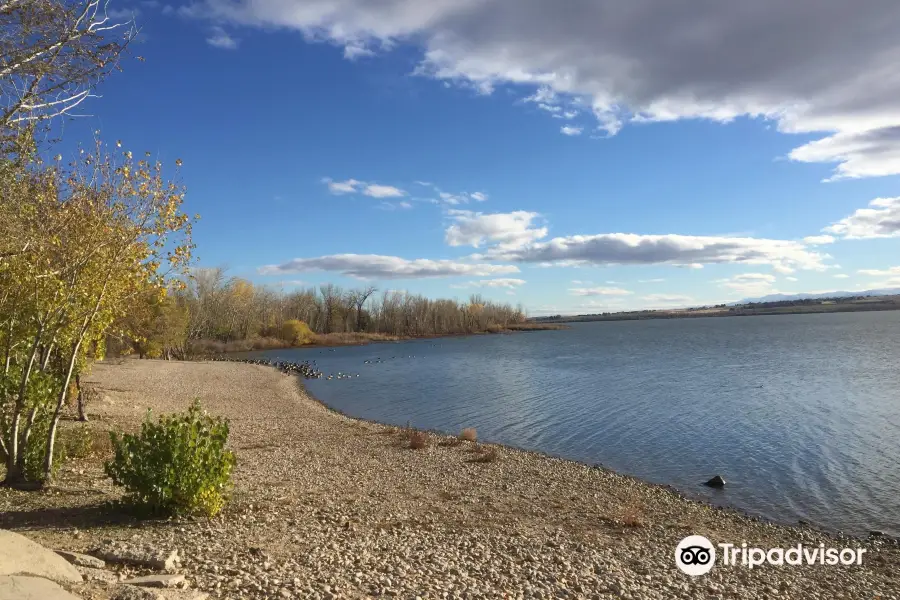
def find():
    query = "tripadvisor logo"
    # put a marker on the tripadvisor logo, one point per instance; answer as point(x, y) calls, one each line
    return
point(695, 555)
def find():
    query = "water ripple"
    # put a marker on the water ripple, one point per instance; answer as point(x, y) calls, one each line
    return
point(799, 413)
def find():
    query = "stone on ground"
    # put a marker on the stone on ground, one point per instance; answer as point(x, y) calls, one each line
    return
point(159, 581)
point(139, 555)
point(91, 574)
point(133, 592)
point(23, 587)
point(82, 560)
point(19, 555)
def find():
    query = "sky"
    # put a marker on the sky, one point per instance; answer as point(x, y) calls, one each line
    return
point(575, 157)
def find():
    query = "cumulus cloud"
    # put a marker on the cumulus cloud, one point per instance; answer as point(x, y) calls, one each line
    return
point(510, 230)
point(841, 276)
point(491, 283)
point(567, 130)
point(373, 266)
point(478, 196)
point(219, 38)
point(646, 61)
point(880, 220)
point(680, 250)
point(599, 291)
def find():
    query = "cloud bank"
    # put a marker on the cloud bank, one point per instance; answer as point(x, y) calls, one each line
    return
point(679, 250)
point(374, 266)
point(801, 64)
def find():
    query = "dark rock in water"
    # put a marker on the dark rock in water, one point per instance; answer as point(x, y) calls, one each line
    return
point(715, 482)
point(876, 533)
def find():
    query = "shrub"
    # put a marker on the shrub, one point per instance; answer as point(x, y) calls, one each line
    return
point(75, 442)
point(469, 434)
point(176, 466)
point(417, 440)
point(296, 332)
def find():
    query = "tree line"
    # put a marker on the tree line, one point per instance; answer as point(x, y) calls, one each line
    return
point(212, 311)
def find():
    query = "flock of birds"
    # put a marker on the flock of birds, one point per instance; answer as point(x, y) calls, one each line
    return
point(308, 369)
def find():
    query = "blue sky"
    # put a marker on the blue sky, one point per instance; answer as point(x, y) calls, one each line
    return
point(524, 152)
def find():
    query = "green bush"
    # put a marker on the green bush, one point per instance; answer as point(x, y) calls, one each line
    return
point(176, 466)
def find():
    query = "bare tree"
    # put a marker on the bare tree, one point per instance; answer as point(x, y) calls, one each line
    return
point(52, 55)
point(359, 299)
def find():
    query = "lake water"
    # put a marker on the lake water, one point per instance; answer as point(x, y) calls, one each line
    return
point(800, 414)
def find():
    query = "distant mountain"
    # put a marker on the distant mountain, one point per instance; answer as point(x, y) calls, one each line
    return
point(790, 297)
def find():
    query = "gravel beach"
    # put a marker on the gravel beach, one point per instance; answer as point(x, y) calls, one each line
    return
point(330, 507)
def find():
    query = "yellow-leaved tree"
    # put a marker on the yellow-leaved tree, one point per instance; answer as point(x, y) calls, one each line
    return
point(92, 237)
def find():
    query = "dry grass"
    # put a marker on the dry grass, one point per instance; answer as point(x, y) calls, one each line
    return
point(349, 339)
point(486, 455)
point(417, 440)
point(469, 434)
point(452, 442)
point(633, 515)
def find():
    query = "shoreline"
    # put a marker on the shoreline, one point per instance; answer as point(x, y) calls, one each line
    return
point(329, 506)
point(374, 339)
point(539, 454)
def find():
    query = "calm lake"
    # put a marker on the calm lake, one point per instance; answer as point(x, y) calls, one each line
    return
point(800, 414)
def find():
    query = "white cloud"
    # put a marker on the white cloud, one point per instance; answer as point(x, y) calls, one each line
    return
point(374, 190)
point(219, 38)
point(384, 205)
point(680, 250)
point(510, 230)
point(749, 284)
point(880, 220)
point(355, 186)
point(889, 272)
point(354, 51)
point(753, 277)
point(599, 291)
point(568, 130)
point(667, 299)
point(350, 186)
point(373, 266)
point(841, 276)
point(583, 282)
point(454, 199)
point(642, 61)
point(818, 240)
point(491, 283)
point(651, 280)
point(792, 279)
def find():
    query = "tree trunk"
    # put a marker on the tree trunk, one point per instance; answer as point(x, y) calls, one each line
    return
point(13, 463)
point(82, 414)
point(54, 421)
